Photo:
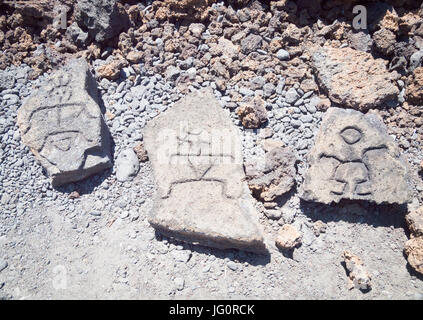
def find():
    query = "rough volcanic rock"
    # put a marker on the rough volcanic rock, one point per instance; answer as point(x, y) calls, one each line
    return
point(252, 114)
point(111, 70)
point(384, 41)
point(141, 152)
point(415, 87)
point(104, 19)
point(63, 126)
point(182, 9)
point(358, 275)
point(275, 178)
point(195, 151)
point(414, 252)
point(288, 238)
point(353, 78)
point(415, 222)
point(354, 158)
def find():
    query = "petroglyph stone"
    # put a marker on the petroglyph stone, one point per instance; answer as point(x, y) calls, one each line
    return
point(202, 197)
point(354, 158)
point(63, 126)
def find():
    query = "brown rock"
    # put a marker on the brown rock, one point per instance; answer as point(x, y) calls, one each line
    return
point(253, 114)
point(141, 152)
point(414, 89)
point(415, 222)
point(354, 79)
point(390, 21)
point(288, 238)
point(358, 276)
point(182, 9)
point(111, 70)
point(134, 56)
point(414, 251)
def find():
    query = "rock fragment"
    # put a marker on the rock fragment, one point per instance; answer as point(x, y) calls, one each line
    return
point(353, 157)
point(275, 177)
point(353, 78)
point(253, 114)
point(414, 251)
point(358, 276)
point(104, 19)
point(414, 90)
point(141, 152)
point(195, 151)
point(127, 165)
point(63, 126)
point(415, 222)
point(288, 238)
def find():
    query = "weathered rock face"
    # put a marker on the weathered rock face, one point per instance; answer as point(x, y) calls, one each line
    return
point(288, 238)
point(252, 114)
point(414, 252)
point(354, 158)
point(182, 9)
point(358, 276)
point(275, 178)
point(353, 78)
point(63, 126)
point(104, 19)
point(195, 151)
point(415, 222)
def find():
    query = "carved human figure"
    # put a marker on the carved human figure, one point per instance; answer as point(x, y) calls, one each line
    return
point(63, 125)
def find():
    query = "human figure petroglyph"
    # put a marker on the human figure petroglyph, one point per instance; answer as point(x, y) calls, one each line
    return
point(354, 158)
point(63, 125)
point(205, 156)
point(202, 197)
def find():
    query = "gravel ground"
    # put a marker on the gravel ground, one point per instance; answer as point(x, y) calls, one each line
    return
point(100, 245)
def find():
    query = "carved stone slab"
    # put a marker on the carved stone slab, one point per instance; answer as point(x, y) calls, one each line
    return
point(63, 126)
point(202, 196)
point(354, 158)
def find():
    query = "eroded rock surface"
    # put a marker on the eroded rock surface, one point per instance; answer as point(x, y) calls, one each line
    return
point(353, 78)
point(358, 275)
point(414, 252)
point(104, 19)
point(63, 126)
point(288, 238)
point(275, 178)
point(195, 151)
point(354, 158)
point(415, 222)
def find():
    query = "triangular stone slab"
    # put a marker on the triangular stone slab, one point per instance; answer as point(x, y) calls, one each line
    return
point(202, 196)
point(354, 158)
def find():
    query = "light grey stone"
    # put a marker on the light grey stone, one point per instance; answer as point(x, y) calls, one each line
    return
point(282, 55)
point(195, 151)
point(291, 96)
point(354, 158)
point(63, 126)
point(127, 165)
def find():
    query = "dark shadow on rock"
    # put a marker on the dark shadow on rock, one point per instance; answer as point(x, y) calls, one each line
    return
point(241, 256)
point(362, 212)
point(87, 185)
